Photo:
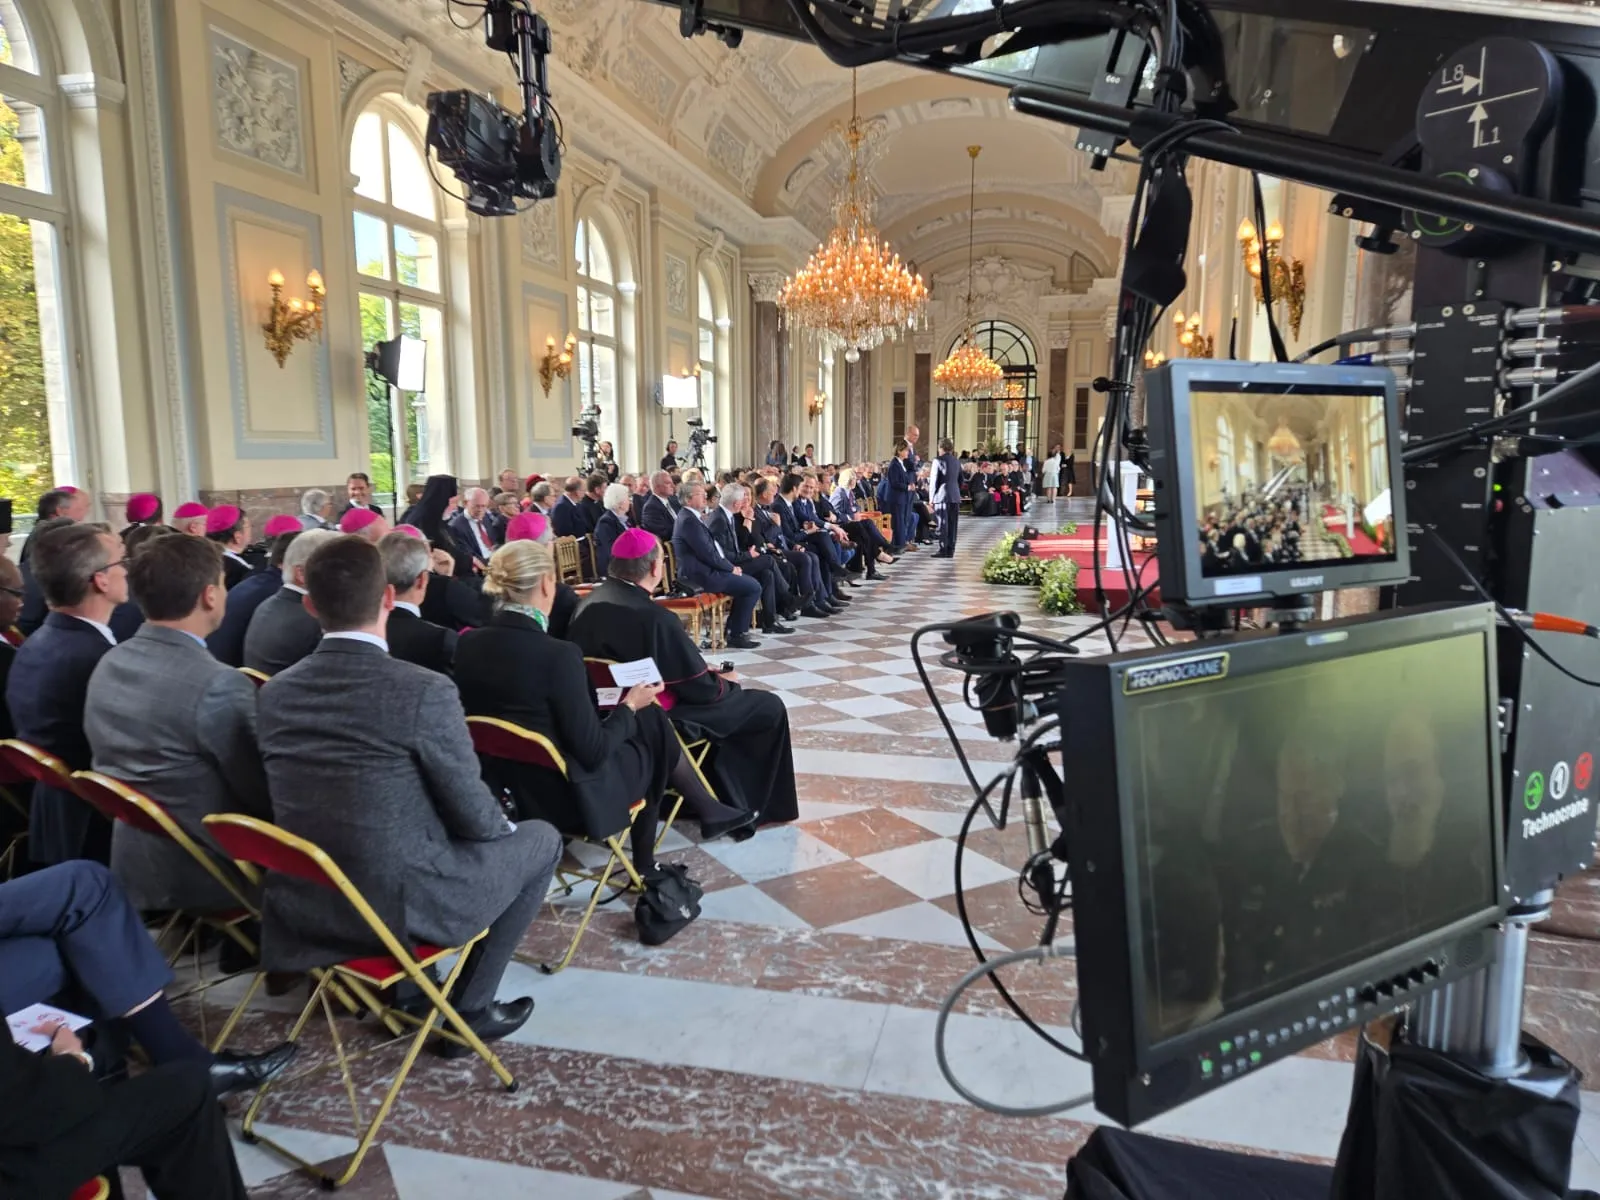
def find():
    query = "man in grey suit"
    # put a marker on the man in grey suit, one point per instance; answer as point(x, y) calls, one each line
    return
point(165, 717)
point(398, 804)
point(282, 632)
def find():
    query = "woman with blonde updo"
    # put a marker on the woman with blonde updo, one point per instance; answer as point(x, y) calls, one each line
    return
point(514, 670)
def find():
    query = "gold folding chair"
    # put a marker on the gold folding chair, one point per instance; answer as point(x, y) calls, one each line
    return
point(272, 849)
point(569, 566)
point(10, 780)
point(23, 762)
point(493, 738)
point(254, 676)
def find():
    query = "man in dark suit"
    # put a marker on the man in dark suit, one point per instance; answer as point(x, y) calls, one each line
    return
point(808, 578)
point(752, 763)
point(593, 502)
point(669, 460)
point(471, 529)
point(702, 564)
point(358, 492)
point(658, 516)
point(639, 488)
point(947, 497)
point(230, 529)
point(817, 542)
point(616, 520)
point(398, 804)
point(567, 518)
point(165, 717)
point(227, 642)
point(763, 568)
point(81, 570)
point(34, 608)
point(282, 632)
point(407, 564)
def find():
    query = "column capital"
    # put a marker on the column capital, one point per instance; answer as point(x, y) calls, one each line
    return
point(765, 285)
point(92, 91)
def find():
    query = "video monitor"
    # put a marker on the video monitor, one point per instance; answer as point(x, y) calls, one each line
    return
point(1274, 479)
point(1294, 834)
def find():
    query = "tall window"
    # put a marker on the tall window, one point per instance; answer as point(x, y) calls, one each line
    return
point(1008, 418)
point(597, 328)
point(398, 243)
point(36, 436)
point(1377, 446)
point(1080, 419)
point(707, 351)
point(1225, 453)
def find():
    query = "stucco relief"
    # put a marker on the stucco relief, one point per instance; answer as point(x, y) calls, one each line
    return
point(351, 72)
point(677, 286)
point(255, 98)
point(541, 234)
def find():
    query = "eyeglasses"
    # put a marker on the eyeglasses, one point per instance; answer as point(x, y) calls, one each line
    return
point(119, 562)
point(11, 591)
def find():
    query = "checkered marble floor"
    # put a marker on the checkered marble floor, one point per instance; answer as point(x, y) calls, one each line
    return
point(781, 1048)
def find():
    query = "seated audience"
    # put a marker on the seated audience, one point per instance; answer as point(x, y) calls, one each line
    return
point(471, 529)
point(10, 636)
point(68, 933)
point(531, 527)
point(613, 522)
point(282, 632)
point(808, 582)
point(166, 718)
point(568, 517)
point(397, 804)
point(503, 506)
point(432, 514)
point(819, 543)
point(407, 564)
point(659, 513)
point(230, 529)
point(358, 494)
point(539, 498)
point(723, 531)
point(82, 572)
point(190, 517)
point(514, 670)
point(316, 509)
point(226, 643)
point(143, 509)
point(703, 565)
point(594, 490)
point(366, 523)
point(752, 763)
point(510, 482)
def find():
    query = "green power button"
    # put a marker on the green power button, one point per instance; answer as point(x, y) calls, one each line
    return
point(1205, 1066)
point(1255, 1057)
point(1226, 1047)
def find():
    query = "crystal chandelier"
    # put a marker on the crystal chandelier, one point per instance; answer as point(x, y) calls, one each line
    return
point(1283, 443)
point(969, 373)
point(854, 293)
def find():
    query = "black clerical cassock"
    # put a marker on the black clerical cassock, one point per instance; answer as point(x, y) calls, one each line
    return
point(752, 764)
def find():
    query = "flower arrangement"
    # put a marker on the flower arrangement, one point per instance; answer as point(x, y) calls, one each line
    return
point(1056, 578)
point(1058, 590)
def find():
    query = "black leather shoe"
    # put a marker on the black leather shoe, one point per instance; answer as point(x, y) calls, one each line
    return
point(839, 598)
point(711, 831)
point(742, 641)
point(815, 613)
point(775, 629)
point(491, 1024)
point(231, 1072)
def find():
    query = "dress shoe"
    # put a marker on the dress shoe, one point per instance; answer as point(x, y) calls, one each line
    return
point(851, 583)
point(814, 613)
point(839, 598)
point(491, 1024)
point(775, 629)
point(231, 1072)
point(742, 641)
point(710, 831)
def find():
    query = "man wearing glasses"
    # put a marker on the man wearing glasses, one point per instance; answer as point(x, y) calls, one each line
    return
point(80, 569)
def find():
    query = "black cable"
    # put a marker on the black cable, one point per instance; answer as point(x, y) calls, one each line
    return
point(1278, 348)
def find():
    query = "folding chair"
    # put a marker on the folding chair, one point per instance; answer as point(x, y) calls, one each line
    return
point(495, 739)
point(10, 779)
point(119, 802)
point(569, 566)
point(272, 849)
point(97, 1188)
point(694, 749)
point(711, 608)
point(254, 676)
point(23, 762)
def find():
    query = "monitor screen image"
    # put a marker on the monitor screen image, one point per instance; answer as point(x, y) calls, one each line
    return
point(1290, 822)
point(1289, 479)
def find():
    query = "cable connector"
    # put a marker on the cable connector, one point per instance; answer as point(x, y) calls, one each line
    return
point(1541, 622)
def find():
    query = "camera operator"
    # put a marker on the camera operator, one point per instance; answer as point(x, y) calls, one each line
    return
point(669, 460)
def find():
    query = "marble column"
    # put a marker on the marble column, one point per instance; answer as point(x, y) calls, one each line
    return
point(1053, 425)
point(857, 397)
point(769, 354)
point(921, 387)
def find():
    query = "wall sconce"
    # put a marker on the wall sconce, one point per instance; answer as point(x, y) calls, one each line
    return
point(1213, 462)
point(556, 364)
point(1288, 277)
point(1194, 343)
point(1153, 359)
point(295, 320)
point(818, 403)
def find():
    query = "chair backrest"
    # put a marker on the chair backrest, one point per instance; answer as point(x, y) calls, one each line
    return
point(254, 676)
point(600, 675)
point(669, 560)
point(263, 844)
point(28, 761)
point(119, 802)
point(494, 738)
point(568, 565)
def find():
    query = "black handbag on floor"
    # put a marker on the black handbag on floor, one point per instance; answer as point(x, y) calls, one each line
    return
point(671, 900)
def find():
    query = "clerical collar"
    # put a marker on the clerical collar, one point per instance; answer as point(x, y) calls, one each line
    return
point(409, 607)
point(356, 635)
point(529, 611)
point(235, 557)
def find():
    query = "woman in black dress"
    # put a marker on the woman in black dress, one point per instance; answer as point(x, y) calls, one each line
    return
point(514, 670)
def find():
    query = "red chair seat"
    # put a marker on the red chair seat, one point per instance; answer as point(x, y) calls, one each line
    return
point(381, 970)
point(95, 1189)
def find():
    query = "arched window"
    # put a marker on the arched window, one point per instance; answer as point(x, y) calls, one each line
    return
point(597, 328)
point(1008, 418)
point(1377, 449)
point(36, 433)
point(1225, 455)
point(712, 353)
point(399, 245)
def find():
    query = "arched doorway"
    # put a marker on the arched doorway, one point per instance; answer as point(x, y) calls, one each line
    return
point(1008, 418)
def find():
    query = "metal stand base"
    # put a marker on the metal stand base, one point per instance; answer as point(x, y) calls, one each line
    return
point(1478, 1020)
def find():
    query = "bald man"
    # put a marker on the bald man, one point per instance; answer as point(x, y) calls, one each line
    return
point(472, 530)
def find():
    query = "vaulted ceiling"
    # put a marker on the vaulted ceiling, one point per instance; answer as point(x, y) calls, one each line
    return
point(765, 120)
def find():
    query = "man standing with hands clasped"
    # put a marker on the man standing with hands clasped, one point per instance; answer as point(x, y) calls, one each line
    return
point(947, 497)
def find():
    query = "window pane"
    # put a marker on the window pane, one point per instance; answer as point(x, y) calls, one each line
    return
point(22, 156)
point(707, 312)
point(603, 314)
point(583, 308)
point(366, 157)
point(413, 188)
point(708, 345)
point(372, 246)
point(377, 325)
point(16, 50)
point(425, 410)
point(35, 429)
point(599, 265)
point(416, 259)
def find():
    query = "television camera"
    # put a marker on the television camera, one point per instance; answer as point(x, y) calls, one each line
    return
point(587, 430)
point(501, 157)
point(699, 438)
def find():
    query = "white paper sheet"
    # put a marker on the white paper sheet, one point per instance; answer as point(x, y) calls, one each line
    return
point(642, 670)
point(608, 697)
point(23, 1020)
